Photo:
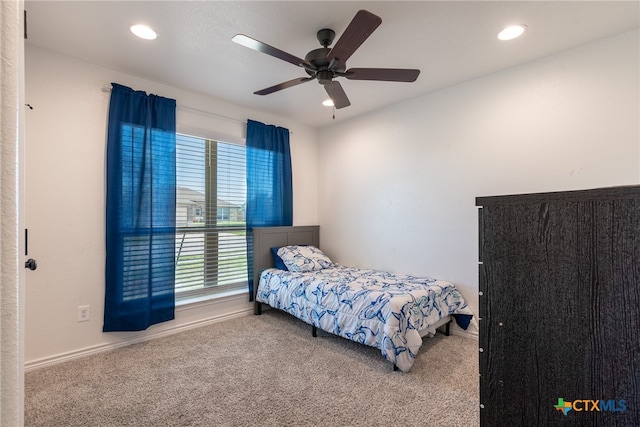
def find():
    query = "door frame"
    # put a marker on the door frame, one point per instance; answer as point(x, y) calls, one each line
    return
point(12, 274)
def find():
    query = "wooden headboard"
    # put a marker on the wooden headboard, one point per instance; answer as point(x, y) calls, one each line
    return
point(265, 238)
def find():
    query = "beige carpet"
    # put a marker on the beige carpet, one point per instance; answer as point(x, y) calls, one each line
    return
point(258, 371)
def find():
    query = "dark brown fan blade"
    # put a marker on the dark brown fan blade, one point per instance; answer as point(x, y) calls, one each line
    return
point(384, 74)
point(254, 44)
point(336, 93)
point(284, 85)
point(360, 28)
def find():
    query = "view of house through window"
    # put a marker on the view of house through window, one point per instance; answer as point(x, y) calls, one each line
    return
point(211, 252)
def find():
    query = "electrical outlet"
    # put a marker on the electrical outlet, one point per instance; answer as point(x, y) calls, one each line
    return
point(84, 314)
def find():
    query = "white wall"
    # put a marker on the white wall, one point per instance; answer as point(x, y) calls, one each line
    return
point(66, 137)
point(397, 187)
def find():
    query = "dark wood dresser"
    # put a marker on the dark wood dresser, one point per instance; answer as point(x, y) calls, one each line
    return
point(560, 308)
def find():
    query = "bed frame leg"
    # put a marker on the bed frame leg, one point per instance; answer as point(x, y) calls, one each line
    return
point(257, 308)
point(314, 331)
point(446, 329)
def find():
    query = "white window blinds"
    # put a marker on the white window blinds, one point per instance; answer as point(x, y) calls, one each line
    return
point(211, 252)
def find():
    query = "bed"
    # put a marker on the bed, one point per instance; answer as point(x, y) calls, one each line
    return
point(389, 311)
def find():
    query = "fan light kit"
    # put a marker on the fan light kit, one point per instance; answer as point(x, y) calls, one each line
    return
point(144, 32)
point(512, 32)
point(327, 103)
point(325, 64)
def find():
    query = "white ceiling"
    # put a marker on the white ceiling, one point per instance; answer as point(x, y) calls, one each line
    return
point(449, 41)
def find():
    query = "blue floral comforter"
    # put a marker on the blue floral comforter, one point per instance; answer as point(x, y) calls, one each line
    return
point(384, 310)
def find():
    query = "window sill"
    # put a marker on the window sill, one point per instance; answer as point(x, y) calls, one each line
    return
point(219, 296)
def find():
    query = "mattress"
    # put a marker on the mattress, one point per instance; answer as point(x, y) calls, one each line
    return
point(381, 309)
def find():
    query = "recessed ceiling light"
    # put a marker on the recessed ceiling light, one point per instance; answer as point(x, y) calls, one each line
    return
point(511, 32)
point(144, 32)
point(328, 102)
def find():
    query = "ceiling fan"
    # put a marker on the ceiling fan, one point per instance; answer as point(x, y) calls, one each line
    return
point(325, 64)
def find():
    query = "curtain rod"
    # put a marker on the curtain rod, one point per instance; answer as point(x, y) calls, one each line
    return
point(107, 89)
point(209, 113)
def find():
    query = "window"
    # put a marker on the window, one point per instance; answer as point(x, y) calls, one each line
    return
point(211, 250)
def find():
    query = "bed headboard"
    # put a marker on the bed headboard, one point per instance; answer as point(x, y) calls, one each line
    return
point(265, 238)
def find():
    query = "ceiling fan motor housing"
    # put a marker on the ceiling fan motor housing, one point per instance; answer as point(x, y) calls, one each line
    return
point(318, 58)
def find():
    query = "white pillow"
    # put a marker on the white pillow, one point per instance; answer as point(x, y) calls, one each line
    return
point(304, 258)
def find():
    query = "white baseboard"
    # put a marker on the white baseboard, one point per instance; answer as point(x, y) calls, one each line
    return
point(467, 334)
point(150, 335)
point(64, 357)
